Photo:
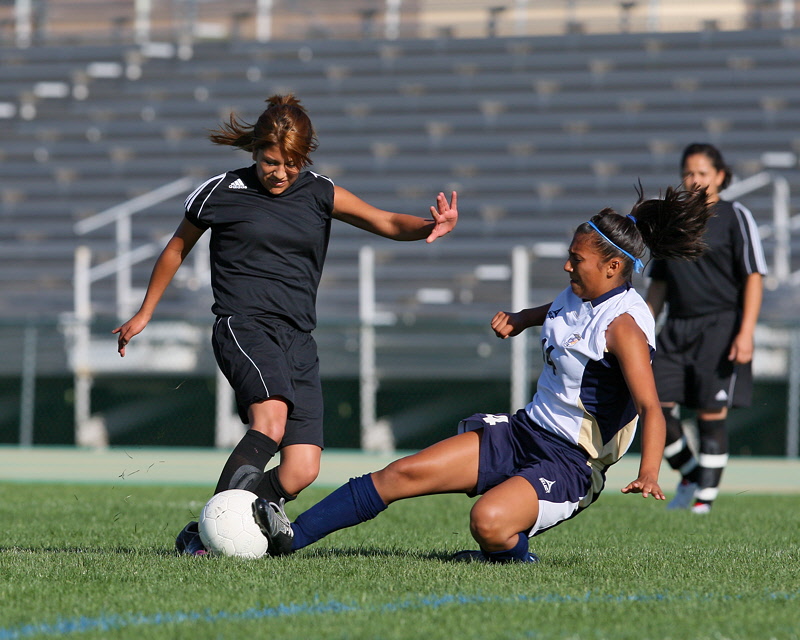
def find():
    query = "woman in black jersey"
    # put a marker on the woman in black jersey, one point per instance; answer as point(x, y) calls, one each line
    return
point(706, 345)
point(270, 225)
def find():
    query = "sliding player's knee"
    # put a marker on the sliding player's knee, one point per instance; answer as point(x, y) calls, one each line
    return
point(489, 526)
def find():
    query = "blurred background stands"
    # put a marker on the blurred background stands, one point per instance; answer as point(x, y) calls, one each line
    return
point(538, 122)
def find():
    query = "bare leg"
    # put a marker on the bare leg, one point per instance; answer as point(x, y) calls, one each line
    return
point(449, 466)
point(269, 417)
point(446, 467)
point(244, 468)
point(299, 467)
point(504, 511)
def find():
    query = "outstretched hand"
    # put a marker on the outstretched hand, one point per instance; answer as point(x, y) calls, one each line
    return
point(646, 486)
point(445, 215)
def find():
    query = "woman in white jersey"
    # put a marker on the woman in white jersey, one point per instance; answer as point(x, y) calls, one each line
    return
point(545, 463)
point(270, 225)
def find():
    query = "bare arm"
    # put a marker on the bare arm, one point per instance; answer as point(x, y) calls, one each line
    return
point(627, 342)
point(353, 210)
point(507, 324)
point(656, 296)
point(742, 347)
point(171, 258)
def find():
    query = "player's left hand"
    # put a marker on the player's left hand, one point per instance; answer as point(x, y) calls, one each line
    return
point(646, 486)
point(445, 215)
point(741, 351)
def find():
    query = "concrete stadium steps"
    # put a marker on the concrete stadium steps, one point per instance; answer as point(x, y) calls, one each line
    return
point(535, 133)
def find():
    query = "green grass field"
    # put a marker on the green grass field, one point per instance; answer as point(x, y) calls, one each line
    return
point(91, 561)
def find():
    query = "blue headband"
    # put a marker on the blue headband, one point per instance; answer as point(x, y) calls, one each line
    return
point(638, 265)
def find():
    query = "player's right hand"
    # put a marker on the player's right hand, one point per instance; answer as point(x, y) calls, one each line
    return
point(506, 324)
point(127, 331)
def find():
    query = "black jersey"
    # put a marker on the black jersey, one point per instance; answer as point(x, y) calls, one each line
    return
point(715, 281)
point(267, 251)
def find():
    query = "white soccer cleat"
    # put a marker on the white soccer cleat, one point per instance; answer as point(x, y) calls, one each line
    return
point(701, 508)
point(684, 495)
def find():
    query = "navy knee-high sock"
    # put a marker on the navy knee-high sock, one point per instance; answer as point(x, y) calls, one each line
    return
point(518, 552)
point(351, 504)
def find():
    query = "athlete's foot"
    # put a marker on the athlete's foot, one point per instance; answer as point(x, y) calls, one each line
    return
point(188, 541)
point(684, 495)
point(274, 524)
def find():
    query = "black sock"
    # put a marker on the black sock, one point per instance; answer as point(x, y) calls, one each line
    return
point(270, 487)
point(677, 451)
point(245, 465)
point(713, 457)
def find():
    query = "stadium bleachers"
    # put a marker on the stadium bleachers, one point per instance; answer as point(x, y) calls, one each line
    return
point(536, 134)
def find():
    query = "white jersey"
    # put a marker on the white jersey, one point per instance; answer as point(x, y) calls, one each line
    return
point(581, 394)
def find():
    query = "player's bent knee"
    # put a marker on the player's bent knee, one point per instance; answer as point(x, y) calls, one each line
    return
point(400, 479)
point(399, 472)
point(489, 526)
point(295, 480)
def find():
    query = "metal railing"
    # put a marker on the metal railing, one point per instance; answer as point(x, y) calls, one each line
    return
point(89, 429)
point(375, 434)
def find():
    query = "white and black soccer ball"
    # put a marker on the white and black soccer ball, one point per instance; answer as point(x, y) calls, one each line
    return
point(228, 528)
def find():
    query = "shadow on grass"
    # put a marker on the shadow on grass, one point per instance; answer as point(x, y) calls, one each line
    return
point(375, 552)
point(163, 552)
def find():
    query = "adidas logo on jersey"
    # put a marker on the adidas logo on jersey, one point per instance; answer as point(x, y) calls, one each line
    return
point(237, 184)
point(722, 396)
point(547, 484)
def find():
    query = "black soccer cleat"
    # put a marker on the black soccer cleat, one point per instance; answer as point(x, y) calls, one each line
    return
point(188, 541)
point(272, 520)
point(479, 556)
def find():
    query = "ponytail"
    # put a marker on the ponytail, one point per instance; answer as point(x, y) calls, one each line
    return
point(670, 227)
point(674, 226)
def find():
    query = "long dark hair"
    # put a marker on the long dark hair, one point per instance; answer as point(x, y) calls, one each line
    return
point(670, 227)
point(284, 123)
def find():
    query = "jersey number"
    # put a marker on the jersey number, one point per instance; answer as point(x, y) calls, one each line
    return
point(546, 351)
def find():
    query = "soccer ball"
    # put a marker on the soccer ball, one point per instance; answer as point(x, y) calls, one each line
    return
point(228, 528)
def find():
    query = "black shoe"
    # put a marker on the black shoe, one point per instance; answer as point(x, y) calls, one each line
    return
point(479, 556)
point(469, 555)
point(274, 524)
point(188, 541)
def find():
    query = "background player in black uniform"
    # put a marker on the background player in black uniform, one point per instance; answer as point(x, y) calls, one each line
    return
point(270, 226)
point(706, 345)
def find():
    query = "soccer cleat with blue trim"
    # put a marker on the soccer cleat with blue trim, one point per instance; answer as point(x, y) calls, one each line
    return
point(272, 520)
point(188, 541)
point(476, 555)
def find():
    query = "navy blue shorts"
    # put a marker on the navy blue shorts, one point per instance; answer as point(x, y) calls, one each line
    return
point(559, 471)
point(264, 358)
